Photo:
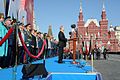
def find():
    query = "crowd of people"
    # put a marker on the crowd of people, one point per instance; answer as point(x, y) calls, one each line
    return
point(33, 40)
point(97, 53)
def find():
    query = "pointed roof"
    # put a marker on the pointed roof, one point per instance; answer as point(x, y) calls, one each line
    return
point(80, 6)
point(103, 9)
point(111, 28)
point(91, 20)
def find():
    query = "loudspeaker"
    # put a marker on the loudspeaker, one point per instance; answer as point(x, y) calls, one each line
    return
point(31, 70)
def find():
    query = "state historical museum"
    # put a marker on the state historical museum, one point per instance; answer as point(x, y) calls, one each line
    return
point(97, 32)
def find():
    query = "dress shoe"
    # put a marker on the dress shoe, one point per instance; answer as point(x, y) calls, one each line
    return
point(60, 61)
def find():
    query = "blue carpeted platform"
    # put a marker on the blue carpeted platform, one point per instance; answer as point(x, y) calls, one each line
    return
point(72, 76)
point(67, 71)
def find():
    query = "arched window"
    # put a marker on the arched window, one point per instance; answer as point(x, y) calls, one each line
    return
point(80, 36)
point(98, 34)
point(100, 42)
point(104, 35)
point(96, 43)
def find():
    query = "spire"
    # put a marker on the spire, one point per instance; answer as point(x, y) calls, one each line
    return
point(80, 14)
point(80, 6)
point(103, 6)
point(103, 16)
point(111, 25)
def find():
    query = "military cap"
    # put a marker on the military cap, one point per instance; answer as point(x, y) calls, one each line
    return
point(21, 24)
point(39, 33)
point(7, 18)
point(27, 25)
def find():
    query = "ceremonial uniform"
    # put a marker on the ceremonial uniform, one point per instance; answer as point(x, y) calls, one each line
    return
point(40, 43)
point(20, 47)
point(11, 49)
point(28, 40)
point(33, 46)
point(4, 46)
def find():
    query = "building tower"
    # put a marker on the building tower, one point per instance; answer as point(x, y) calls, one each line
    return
point(80, 23)
point(50, 31)
point(103, 23)
point(80, 26)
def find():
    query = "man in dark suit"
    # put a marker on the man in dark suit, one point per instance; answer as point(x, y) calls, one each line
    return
point(28, 40)
point(62, 44)
point(33, 43)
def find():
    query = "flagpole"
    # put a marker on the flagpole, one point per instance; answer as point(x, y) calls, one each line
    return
point(92, 61)
point(16, 49)
point(90, 50)
point(5, 8)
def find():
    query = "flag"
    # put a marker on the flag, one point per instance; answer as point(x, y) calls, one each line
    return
point(17, 14)
point(6, 6)
point(86, 47)
point(4, 3)
point(90, 46)
point(29, 9)
point(12, 16)
point(22, 4)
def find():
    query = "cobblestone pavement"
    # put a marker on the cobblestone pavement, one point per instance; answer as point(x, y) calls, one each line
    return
point(110, 68)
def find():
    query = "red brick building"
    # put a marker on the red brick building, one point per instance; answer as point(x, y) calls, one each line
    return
point(97, 32)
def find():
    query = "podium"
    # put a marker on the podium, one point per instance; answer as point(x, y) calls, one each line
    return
point(74, 49)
